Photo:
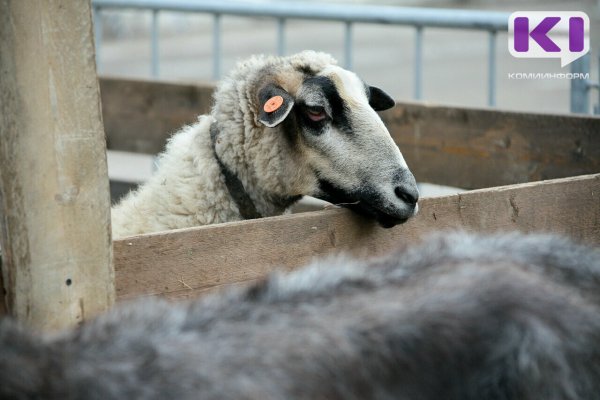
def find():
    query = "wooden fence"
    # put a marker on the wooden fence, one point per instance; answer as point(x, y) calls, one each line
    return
point(530, 172)
point(461, 147)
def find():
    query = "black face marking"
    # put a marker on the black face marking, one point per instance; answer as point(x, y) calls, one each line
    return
point(339, 109)
point(306, 70)
point(306, 123)
point(363, 201)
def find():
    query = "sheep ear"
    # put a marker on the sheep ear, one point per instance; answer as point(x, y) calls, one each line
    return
point(275, 105)
point(380, 100)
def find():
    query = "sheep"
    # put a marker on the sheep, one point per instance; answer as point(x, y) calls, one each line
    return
point(280, 128)
point(507, 316)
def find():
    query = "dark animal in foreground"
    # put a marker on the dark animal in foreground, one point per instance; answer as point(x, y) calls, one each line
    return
point(459, 317)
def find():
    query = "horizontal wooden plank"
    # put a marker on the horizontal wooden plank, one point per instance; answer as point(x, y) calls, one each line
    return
point(452, 146)
point(187, 262)
point(473, 148)
point(139, 116)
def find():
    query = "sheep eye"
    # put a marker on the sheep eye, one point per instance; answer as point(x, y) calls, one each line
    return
point(316, 113)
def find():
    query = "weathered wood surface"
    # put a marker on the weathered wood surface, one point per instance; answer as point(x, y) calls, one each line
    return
point(3, 309)
point(54, 198)
point(471, 148)
point(453, 146)
point(139, 116)
point(187, 262)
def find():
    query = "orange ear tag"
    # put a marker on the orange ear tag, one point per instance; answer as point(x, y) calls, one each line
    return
point(273, 104)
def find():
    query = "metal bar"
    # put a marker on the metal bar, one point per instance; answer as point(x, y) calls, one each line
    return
point(348, 45)
point(597, 108)
point(97, 15)
point(154, 43)
point(217, 47)
point(281, 36)
point(418, 63)
point(580, 102)
point(492, 70)
point(429, 17)
point(597, 84)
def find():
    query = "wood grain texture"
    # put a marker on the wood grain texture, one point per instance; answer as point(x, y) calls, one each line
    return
point(54, 198)
point(461, 147)
point(139, 116)
point(472, 148)
point(187, 262)
point(3, 305)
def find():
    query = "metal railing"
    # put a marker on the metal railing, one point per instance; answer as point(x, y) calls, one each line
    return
point(581, 88)
point(419, 18)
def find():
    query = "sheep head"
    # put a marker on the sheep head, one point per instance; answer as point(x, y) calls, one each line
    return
point(319, 123)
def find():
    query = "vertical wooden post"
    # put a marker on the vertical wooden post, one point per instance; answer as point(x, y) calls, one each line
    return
point(54, 198)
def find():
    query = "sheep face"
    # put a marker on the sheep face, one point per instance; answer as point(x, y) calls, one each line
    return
point(345, 144)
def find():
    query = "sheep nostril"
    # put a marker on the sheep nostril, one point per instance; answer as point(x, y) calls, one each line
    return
point(405, 196)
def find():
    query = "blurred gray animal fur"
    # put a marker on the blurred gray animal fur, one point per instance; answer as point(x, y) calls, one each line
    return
point(459, 317)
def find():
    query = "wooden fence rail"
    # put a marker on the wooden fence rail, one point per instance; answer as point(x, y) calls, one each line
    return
point(187, 262)
point(460, 147)
point(467, 148)
point(54, 232)
point(452, 146)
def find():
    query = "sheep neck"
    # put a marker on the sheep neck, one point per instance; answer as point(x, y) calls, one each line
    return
point(235, 187)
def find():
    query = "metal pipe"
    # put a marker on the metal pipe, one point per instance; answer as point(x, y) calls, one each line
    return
point(217, 47)
point(349, 14)
point(429, 17)
point(597, 108)
point(348, 45)
point(418, 63)
point(492, 70)
point(281, 36)
point(154, 44)
point(580, 102)
point(96, 13)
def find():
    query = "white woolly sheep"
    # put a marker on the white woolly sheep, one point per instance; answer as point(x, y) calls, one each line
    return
point(457, 318)
point(280, 128)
